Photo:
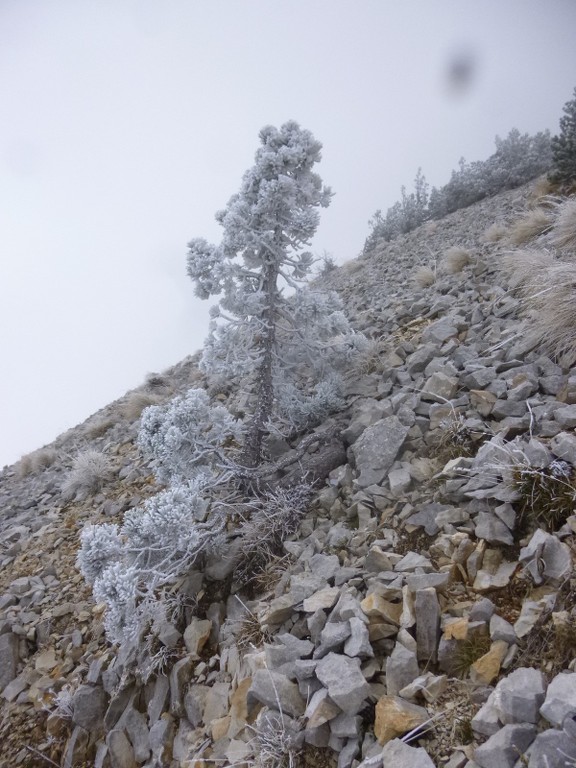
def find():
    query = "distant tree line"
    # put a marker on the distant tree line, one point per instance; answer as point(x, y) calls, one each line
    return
point(518, 159)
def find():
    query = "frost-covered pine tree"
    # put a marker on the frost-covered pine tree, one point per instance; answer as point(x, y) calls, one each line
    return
point(282, 345)
point(564, 146)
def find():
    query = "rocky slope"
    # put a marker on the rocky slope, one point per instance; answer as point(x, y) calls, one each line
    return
point(424, 614)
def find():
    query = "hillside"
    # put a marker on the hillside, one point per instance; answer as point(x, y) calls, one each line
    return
point(429, 589)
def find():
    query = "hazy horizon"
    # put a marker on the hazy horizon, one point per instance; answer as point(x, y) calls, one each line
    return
point(128, 125)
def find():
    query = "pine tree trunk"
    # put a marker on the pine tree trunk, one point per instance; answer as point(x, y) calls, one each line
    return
point(252, 452)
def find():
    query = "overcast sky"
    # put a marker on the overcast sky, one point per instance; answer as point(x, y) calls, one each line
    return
point(126, 124)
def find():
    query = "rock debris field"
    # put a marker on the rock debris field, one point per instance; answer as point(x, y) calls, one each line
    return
point(423, 615)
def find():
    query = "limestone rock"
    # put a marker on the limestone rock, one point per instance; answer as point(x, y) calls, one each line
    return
point(342, 677)
point(395, 717)
point(376, 449)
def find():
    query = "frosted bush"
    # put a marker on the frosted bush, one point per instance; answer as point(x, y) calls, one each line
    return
point(100, 546)
point(186, 438)
point(162, 537)
point(130, 568)
point(116, 587)
point(298, 410)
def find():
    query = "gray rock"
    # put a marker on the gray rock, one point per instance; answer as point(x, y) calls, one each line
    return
point(377, 560)
point(324, 567)
point(486, 721)
point(120, 750)
point(411, 561)
point(399, 481)
point(216, 704)
point(504, 747)
point(439, 388)
point(345, 726)
point(138, 733)
point(479, 378)
point(9, 644)
point(196, 635)
point(179, 677)
point(566, 416)
point(546, 558)
point(157, 703)
point(440, 331)
point(500, 629)
point(437, 581)
point(333, 636)
point(520, 696)
point(401, 669)
point(482, 610)
point(358, 644)
point(418, 360)
point(345, 682)
point(427, 610)
point(560, 699)
point(275, 690)
point(376, 450)
point(194, 703)
point(287, 648)
point(398, 754)
point(552, 749)
point(302, 585)
point(347, 753)
point(492, 529)
point(563, 445)
point(161, 738)
point(89, 705)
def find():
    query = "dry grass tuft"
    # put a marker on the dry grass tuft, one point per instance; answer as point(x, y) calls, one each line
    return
point(563, 234)
point(352, 266)
point(90, 472)
point(547, 291)
point(137, 402)
point(156, 382)
point(542, 188)
point(251, 634)
point(455, 259)
point(36, 461)
point(424, 277)
point(495, 233)
point(547, 495)
point(99, 427)
point(536, 223)
point(468, 651)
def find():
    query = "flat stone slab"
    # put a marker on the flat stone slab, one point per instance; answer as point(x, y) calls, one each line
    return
point(376, 449)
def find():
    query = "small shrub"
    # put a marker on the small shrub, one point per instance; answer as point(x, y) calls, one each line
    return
point(90, 472)
point(187, 437)
point(136, 402)
point(328, 265)
point(536, 223)
point(468, 651)
point(455, 259)
point(251, 634)
point(424, 277)
point(272, 520)
point(546, 495)
point(278, 740)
